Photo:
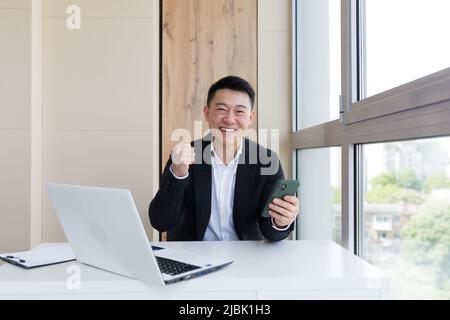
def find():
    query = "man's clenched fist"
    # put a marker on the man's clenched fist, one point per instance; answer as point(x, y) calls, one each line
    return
point(183, 155)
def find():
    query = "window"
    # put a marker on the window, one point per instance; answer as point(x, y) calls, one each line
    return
point(320, 191)
point(383, 219)
point(318, 61)
point(404, 41)
point(409, 181)
point(393, 157)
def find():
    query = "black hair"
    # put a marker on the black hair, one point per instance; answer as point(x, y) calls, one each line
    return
point(232, 83)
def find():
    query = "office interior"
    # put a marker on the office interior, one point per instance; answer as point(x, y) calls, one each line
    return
point(353, 95)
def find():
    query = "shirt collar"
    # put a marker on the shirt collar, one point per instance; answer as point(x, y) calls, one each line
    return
point(236, 157)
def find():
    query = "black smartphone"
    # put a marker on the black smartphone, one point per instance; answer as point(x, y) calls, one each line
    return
point(281, 188)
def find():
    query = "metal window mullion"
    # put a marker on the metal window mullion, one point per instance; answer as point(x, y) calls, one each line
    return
point(359, 87)
point(359, 200)
point(361, 49)
point(349, 91)
point(347, 196)
point(295, 96)
point(295, 175)
point(295, 44)
point(349, 54)
point(352, 66)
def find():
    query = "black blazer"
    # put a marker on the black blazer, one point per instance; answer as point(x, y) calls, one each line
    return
point(183, 207)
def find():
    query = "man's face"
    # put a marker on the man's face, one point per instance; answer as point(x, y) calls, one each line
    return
point(229, 116)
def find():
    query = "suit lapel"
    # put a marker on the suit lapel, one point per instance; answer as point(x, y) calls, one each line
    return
point(245, 178)
point(203, 186)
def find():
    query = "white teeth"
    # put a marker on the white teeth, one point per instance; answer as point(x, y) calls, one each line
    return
point(228, 130)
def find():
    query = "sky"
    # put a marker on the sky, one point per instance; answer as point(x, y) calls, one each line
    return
point(406, 40)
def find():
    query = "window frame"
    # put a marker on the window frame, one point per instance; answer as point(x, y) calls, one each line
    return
point(416, 110)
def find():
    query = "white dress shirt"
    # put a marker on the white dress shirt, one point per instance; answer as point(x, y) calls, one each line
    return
point(221, 222)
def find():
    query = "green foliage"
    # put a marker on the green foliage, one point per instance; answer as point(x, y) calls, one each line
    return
point(436, 181)
point(384, 179)
point(426, 236)
point(392, 194)
point(431, 225)
point(407, 179)
point(409, 196)
point(427, 239)
point(387, 194)
point(394, 188)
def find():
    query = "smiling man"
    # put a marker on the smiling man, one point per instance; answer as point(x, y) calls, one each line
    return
point(216, 188)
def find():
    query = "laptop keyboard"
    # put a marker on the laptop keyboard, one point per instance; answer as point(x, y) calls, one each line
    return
point(173, 267)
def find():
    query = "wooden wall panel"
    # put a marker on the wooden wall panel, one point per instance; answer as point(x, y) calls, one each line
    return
point(202, 41)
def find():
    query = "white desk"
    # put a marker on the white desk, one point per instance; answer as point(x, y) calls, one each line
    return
point(261, 270)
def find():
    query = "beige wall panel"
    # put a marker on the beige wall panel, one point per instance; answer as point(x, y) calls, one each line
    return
point(15, 4)
point(281, 145)
point(15, 136)
point(286, 154)
point(275, 76)
point(14, 190)
point(274, 15)
point(111, 159)
point(203, 40)
point(99, 77)
point(101, 8)
point(15, 61)
point(274, 81)
point(99, 110)
point(36, 124)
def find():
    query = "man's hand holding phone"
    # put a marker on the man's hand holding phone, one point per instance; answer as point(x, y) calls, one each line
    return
point(282, 205)
point(284, 211)
point(183, 155)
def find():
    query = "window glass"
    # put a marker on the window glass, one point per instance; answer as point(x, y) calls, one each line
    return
point(405, 40)
point(320, 194)
point(318, 56)
point(406, 215)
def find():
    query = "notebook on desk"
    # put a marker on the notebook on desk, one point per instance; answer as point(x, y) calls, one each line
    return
point(40, 256)
point(105, 230)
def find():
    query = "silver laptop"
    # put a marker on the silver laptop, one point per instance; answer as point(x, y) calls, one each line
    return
point(105, 230)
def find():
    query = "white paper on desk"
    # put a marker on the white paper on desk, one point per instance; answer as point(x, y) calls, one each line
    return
point(42, 255)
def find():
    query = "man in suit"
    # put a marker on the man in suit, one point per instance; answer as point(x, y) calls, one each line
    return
point(216, 188)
